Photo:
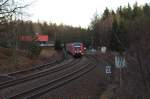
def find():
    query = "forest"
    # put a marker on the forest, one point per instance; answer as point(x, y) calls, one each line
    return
point(127, 31)
point(61, 32)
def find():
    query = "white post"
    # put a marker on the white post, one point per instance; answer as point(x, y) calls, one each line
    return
point(120, 78)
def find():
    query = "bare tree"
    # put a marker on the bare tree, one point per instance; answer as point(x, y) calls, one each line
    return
point(9, 8)
point(9, 12)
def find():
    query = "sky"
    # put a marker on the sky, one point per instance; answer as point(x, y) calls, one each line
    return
point(73, 12)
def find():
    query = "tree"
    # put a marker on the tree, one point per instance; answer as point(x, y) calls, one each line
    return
point(137, 11)
point(114, 42)
point(58, 45)
point(8, 8)
point(10, 11)
point(146, 9)
point(34, 49)
point(106, 14)
point(119, 40)
point(101, 28)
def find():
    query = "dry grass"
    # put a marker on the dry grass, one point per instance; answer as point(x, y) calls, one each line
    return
point(6, 51)
point(3, 56)
point(47, 53)
point(11, 63)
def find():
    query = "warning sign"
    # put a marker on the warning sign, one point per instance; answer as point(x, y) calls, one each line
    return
point(120, 62)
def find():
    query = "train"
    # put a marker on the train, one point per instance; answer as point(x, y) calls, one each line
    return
point(76, 49)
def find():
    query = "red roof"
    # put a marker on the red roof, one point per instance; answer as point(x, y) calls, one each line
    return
point(26, 38)
point(41, 38)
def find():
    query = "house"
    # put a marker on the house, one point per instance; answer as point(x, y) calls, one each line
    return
point(41, 39)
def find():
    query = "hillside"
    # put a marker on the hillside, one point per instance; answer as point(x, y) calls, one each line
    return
point(17, 60)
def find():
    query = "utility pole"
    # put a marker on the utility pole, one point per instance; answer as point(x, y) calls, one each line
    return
point(15, 42)
point(92, 41)
point(120, 77)
point(55, 36)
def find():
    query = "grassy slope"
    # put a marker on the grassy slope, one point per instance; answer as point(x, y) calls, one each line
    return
point(9, 63)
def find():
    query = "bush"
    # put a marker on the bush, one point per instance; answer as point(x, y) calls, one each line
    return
point(3, 44)
point(58, 45)
point(34, 50)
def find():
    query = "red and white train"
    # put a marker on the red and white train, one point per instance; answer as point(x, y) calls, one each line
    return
point(76, 49)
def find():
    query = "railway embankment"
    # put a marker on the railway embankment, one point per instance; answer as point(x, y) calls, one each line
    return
point(12, 61)
point(124, 83)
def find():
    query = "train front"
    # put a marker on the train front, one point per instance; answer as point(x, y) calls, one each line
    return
point(78, 49)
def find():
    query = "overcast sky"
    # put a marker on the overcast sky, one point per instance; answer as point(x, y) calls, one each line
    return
point(73, 12)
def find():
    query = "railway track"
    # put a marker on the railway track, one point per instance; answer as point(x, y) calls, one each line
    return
point(35, 69)
point(74, 71)
point(51, 70)
point(11, 85)
point(38, 67)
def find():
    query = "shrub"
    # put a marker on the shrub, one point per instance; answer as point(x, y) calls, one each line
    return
point(58, 45)
point(34, 50)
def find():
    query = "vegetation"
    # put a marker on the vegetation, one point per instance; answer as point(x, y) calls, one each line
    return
point(34, 50)
point(58, 45)
point(127, 30)
point(113, 29)
point(62, 32)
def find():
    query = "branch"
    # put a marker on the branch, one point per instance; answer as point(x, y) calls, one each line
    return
point(119, 41)
point(13, 11)
point(4, 3)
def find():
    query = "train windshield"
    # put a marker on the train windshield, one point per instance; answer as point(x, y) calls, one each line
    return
point(77, 45)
